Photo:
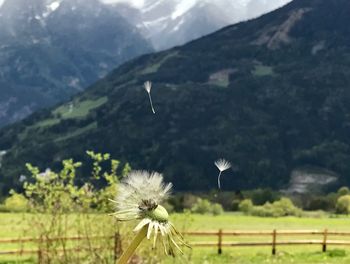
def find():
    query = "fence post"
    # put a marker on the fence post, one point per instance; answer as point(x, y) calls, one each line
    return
point(40, 253)
point(220, 242)
point(117, 246)
point(324, 244)
point(274, 234)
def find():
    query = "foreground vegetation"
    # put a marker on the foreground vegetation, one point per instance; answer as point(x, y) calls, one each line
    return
point(54, 204)
point(15, 225)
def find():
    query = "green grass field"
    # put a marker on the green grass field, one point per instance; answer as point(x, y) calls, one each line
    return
point(11, 225)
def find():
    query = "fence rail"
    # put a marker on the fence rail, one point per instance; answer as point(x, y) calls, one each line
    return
point(272, 240)
point(41, 251)
point(324, 240)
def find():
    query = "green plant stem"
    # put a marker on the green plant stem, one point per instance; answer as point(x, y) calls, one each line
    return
point(133, 246)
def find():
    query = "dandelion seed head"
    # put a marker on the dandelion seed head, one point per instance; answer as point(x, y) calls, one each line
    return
point(166, 231)
point(140, 192)
point(222, 164)
point(148, 86)
point(139, 197)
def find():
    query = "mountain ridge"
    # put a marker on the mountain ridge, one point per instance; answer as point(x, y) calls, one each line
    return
point(172, 23)
point(50, 51)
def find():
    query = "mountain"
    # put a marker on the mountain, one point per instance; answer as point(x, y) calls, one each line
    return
point(168, 23)
point(50, 50)
point(271, 95)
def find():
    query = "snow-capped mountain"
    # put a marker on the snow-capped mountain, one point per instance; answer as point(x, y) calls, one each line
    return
point(168, 23)
point(51, 49)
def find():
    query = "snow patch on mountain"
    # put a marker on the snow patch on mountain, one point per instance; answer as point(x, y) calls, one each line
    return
point(54, 5)
point(182, 8)
point(51, 7)
point(134, 3)
point(167, 23)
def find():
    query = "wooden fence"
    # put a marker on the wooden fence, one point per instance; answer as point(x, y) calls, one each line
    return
point(40, 251)
point(271, 240)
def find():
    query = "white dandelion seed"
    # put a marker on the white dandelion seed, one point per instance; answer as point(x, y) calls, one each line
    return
point(148, 87)
point(139, 197)
point(222, 165)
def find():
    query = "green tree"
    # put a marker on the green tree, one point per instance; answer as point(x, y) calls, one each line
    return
point(343, 205)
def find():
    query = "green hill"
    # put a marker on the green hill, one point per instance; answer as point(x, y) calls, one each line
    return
point(270, 95)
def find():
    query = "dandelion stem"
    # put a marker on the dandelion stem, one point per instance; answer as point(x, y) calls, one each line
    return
point(219, 185)
point(127, 254)
point(150, 100)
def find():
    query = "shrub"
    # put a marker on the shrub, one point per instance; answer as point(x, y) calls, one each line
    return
point(189, 200)
point(202, 206)
point(343, 191)
point(262, 211)
point(217, 209)
point(283, 207)
point(3, 209)
point(343, 205)
point(246, 206)
point(16, 203)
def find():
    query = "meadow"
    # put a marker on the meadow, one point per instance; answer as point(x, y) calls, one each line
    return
point(13, 225)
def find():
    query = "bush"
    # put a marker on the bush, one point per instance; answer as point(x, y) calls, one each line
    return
point(246, 206)
point(343, 191)
point(217, 209)
point(283, 207)
point(203, 206)
point(3, 209)
point(189, 200)
point(343, 205)
point(16, 203)
point(261, 211)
